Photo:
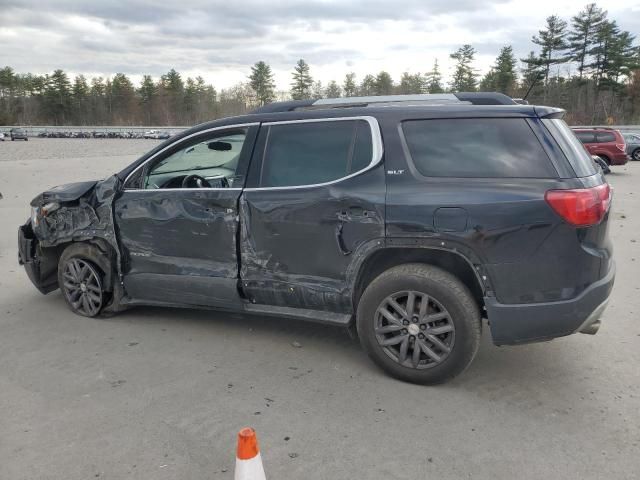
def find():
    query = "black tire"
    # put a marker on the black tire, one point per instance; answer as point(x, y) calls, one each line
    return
point(606, 159)
point(85, 292)
point(635, 155)
point(444, 293)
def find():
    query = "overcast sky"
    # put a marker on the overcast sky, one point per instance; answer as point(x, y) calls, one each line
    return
point(220, 40)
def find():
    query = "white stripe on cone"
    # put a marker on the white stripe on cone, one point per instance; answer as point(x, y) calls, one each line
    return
point(251, 469)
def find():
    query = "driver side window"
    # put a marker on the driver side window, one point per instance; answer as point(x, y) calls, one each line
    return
point(209, 162)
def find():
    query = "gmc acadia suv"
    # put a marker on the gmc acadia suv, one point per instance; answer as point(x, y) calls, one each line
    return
point(410, 218)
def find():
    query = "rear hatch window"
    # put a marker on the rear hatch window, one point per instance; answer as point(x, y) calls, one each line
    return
point(578, 157)
point(476, 148)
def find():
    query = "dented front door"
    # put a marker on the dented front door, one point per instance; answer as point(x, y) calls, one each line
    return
point(179, 239)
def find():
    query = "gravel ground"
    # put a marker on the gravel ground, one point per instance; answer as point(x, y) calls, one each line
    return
point(155, 394)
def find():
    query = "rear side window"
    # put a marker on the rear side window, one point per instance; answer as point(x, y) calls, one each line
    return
point(605, 137)
point(310, 153)
point(482, 147)
point(586, 137)
point(575, 152)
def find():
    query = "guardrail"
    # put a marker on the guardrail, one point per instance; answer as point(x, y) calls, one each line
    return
point(35, 130)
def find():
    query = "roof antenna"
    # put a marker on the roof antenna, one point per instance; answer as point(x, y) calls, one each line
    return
point(539, 76)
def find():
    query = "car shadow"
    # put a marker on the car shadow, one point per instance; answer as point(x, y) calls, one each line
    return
point(521, 367)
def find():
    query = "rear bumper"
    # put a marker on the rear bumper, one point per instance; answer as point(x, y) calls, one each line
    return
point(619, 159)
point(524, 323)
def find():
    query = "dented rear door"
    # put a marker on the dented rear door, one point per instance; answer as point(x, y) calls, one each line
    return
point(313, 205)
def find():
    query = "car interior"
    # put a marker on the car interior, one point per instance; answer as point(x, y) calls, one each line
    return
point(210, 163)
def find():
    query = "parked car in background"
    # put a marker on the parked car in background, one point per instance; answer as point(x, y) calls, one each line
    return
point(352, 213)
point(156, 135)
point(607, 143)
point(1, 137)
point(633, 145)
point(18, 134)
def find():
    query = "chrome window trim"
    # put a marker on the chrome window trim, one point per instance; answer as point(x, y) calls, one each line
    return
point(173, 144)
point(377, 149)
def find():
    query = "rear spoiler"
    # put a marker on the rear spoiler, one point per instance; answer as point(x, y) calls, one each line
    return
point(549, 112)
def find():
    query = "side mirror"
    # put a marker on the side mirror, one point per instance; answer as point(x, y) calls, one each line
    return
point(220, 146)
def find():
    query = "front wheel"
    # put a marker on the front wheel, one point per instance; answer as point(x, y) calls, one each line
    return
point(419, 323)
point(636, 154)
point(81, 281)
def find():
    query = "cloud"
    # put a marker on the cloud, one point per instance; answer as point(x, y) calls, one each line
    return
point(220, 40)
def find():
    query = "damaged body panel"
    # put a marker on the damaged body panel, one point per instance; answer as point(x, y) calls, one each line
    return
point(78, 212)
point(180, 249)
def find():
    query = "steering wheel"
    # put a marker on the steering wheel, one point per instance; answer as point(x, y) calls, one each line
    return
point(195, 181)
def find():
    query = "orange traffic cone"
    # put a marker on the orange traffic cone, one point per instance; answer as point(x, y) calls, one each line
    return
point(248, 459)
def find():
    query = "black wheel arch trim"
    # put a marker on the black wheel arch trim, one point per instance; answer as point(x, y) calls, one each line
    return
point(364, 252)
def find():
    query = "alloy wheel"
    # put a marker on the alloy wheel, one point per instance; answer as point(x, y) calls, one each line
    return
point(83, 287)
point(414, 329)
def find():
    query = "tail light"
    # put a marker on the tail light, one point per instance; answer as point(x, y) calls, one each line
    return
point(581, 207)
point(621, 146)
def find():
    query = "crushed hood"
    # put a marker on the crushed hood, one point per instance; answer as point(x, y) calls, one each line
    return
point(64, 193)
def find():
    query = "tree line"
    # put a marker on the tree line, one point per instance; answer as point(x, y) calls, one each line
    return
point(587, 65)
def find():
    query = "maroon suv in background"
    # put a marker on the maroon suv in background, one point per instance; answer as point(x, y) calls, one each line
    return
point(607, 143)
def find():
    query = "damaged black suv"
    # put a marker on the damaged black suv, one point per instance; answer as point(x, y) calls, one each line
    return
point(408, 217)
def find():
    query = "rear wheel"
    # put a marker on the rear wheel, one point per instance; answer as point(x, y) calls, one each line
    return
point(636, 154)
point(81, 281)
point(419, 324)
point(606, 159)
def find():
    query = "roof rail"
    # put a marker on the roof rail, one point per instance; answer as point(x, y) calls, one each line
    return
point(474, 98)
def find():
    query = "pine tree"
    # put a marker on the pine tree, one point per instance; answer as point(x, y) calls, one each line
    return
point(58, 97)
point(604, 42)
point(383, 84)
point(190, 100)
point(302, 81)
point(172, 89)
point(333, 90)
point(349, 85)
point(368, 86)
point(80, 94)
point(411, 84)
point(123, 99)
point(317, 91)
point(584, 28)
point(531, 75)
point(552, 42)
point(147, 94)
point(261, 80)
point(488, 82)
point(464, 76)
point(615, 55)
point(434, 79)
point(504, 71)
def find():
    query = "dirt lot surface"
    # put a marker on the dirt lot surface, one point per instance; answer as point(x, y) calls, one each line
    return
point(160, 394)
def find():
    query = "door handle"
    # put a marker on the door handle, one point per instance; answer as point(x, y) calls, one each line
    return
point(352, 213)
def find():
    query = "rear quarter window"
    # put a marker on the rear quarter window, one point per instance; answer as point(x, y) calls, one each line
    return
point(580, 160)
point(605, 137)
point(482, 147)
